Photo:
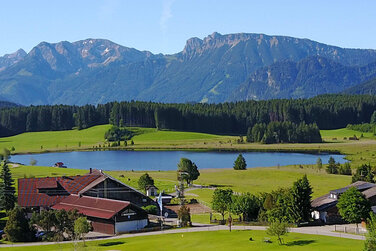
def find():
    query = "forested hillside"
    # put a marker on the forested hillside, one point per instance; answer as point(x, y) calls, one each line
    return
point(306, 78)
point(368, 87)
point(327, 112)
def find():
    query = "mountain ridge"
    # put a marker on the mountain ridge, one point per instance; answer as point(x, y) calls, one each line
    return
point(206, 70)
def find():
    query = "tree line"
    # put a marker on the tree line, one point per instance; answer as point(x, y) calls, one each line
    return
point(283, 132)
point(326, 111)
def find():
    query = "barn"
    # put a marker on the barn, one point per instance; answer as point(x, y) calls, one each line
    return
point(106, 215)
point(112, 206)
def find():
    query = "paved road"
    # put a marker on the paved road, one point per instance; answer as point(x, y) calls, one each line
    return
point(320, 230)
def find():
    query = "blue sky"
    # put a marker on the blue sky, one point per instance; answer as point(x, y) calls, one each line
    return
point(163, 26)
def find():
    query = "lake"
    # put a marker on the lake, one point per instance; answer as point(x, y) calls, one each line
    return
point(167, 160)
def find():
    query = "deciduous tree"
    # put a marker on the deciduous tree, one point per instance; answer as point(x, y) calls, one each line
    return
point(187, 170)
point(353, 206)
point(221, 201)
point(277, 228)
point(144, 181)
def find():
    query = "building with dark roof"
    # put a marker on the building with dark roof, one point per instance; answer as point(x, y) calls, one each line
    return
point(97, 195)
point(325, 207)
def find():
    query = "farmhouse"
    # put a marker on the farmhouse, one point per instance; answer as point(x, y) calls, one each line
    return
point(106, 215)
point(111, 205)
point(325, 207)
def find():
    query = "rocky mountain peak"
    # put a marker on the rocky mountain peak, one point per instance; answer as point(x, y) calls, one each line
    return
point(12, 58)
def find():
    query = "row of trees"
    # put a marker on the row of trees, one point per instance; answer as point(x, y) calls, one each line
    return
point(337, 168)
point(291, 205)
point(57, 225)
point(327, 112)
point(284, 132)
point(365, 127)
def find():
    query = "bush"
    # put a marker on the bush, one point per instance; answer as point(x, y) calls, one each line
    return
point(151, 209)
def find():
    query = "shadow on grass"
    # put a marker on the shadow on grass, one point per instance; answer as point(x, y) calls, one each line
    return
point(300, 243)
point(219, 185)
point(111, 243)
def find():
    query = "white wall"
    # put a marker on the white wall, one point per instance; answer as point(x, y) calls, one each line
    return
point(127, 226)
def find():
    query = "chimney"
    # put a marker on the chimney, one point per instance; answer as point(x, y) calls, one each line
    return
point(90, 170)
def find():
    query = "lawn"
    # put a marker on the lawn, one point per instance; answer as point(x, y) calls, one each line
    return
point(218, 240)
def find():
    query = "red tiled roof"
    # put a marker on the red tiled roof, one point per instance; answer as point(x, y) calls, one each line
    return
point(30, 196)
point(92, 206)
point(49, 183)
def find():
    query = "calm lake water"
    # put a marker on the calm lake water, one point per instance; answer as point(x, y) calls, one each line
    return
point(167, 160)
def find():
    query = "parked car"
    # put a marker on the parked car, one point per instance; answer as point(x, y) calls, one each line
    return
point(40, 234)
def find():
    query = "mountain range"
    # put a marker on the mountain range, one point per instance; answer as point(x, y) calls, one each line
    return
point(215, 69)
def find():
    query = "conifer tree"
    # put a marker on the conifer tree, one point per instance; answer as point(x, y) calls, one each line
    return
point(7, 190)
point(301, 195)
point(240, 163)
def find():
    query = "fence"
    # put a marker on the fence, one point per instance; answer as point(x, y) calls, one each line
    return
point(350, 229)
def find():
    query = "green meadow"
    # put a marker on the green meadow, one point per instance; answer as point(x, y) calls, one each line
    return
point(55, 140)
point(253, 180)
point(216, 240)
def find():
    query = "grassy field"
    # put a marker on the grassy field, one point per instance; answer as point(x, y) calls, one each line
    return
point(340, 134)
point(55, 140)
point(218, 240)
point(253, 180)
point(145, 138)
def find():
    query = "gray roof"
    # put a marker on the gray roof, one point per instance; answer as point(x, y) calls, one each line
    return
point(360, 185)
point(373, 209)
point(325, 202)
point(369, 193)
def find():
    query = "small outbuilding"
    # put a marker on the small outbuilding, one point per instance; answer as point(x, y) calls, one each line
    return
point(151, 190)
point(106, 215)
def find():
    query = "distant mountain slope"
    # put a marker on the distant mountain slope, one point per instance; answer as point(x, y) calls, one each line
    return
point(368, 87)
point(10, 59)
point(6, 104)
point(306, 78)
point(207, 70)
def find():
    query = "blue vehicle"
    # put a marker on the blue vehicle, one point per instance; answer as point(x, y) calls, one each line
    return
point(39, 234)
